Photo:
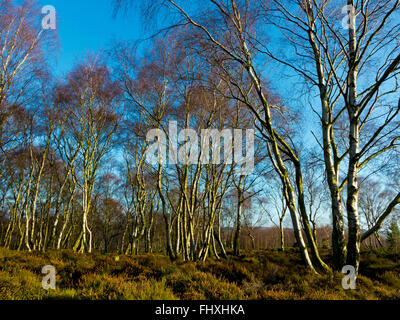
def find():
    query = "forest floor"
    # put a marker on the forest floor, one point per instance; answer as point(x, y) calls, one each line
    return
point(261, 274)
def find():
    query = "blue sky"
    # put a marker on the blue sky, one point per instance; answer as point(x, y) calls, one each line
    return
point(88, 26)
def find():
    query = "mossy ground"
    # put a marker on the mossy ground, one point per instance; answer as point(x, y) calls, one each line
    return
point(264, 274)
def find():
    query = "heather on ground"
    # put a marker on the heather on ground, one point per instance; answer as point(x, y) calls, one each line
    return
point(263, 274)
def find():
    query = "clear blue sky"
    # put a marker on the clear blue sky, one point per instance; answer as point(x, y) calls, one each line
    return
point(87, 26)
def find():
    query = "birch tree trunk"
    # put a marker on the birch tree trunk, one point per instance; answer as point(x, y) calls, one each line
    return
point(353, 245)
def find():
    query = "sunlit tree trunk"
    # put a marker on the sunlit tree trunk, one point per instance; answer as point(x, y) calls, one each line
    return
point(353, 245)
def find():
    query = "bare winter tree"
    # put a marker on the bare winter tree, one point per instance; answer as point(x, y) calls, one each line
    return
point(353, 64)
point(90, 98)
